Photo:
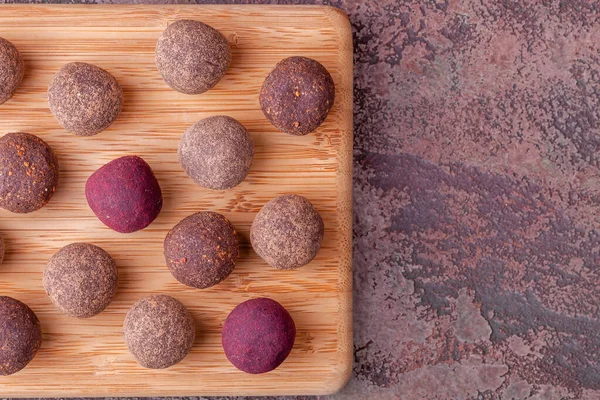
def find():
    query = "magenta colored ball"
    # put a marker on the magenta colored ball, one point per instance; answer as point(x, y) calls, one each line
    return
point(124, 194)
point(258, 335)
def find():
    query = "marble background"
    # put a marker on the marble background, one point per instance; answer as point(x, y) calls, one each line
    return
point(477, 204)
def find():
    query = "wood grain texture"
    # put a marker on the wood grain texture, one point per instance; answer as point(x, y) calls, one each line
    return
point(89, 357)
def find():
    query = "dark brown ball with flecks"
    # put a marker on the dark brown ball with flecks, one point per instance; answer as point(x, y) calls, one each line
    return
point(28, 172)
point(216, 152)
point(192, 56)
point(12, 70)
point(84, 98)
point(201, 250)
point(81, 279)
point(159, 331)
point(297, 95)
point(21, 335)
point(287, 232)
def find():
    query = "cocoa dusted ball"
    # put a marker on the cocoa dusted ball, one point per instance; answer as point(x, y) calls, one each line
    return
point(81, 280)
point(192, 56)
point(216, 152)
point(28, 172)
point(201, 250)
point(12, 70)
point(159, 331)
point(287, 232)
point(21, 335)
point(297, 95)
point(124, 194)
point(84, 98)
point(258, 335)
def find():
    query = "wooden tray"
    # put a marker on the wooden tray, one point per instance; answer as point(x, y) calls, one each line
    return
point(89, 357)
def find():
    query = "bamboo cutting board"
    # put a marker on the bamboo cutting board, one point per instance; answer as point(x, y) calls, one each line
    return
point(89, 357)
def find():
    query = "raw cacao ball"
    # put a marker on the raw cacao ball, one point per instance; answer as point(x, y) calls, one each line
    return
point(81, 279)
point(159, 331)
point(287, 232)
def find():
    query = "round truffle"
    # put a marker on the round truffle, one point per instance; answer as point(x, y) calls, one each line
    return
point(287, 232)
point(216, 152)
point(258, 335)
point(159, 331)
point(84, 98)
point(201, 249)
point(124, 194)
point(297, 95)
point(81, 280)
point(192, 56)
point(21, 335)
point(12, 70)
point(28, 172)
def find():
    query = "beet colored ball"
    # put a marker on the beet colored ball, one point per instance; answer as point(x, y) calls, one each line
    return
point(81, 280)
point(192, 56)
point(287, 232)
point(21, 335)
point(84, 98)
point(28, 172)
point(159, 331)
point(12, 70)
point(124, 194)
point(201, 249)
point(297, 95)
point(258, 335)
point(216, 152)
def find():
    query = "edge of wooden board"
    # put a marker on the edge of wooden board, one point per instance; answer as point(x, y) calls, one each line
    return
point(331, 383)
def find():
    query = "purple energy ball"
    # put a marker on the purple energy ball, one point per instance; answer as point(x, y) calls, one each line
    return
point(124, 194)
point(258, 335)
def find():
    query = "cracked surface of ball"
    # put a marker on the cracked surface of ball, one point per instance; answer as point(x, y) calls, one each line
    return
point(84, 98)
point(28, 172)
point(192, 56)
point(297, 95)
point(21, 335)
point(81, 279)
point(159, 331)
point(12, 70)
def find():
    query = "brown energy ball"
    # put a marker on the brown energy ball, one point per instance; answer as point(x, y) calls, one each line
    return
point(287, 232)
point(21, 335)
point(84, 98)
point(192, 56)
point(12, 70)
point(297, 95)
point(201, 249)
point(216, 152)
point(81, 280)
point(28, 172)
point(159, 331)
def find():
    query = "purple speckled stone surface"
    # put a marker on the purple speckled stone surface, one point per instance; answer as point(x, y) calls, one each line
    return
point(477, 199)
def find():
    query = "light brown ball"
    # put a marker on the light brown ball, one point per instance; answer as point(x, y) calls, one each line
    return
point(192, 56)
point(84, 98)
point(12, 70)
point(81, 280)
point(216, 152)
point(159, 331)
point(287, 232)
